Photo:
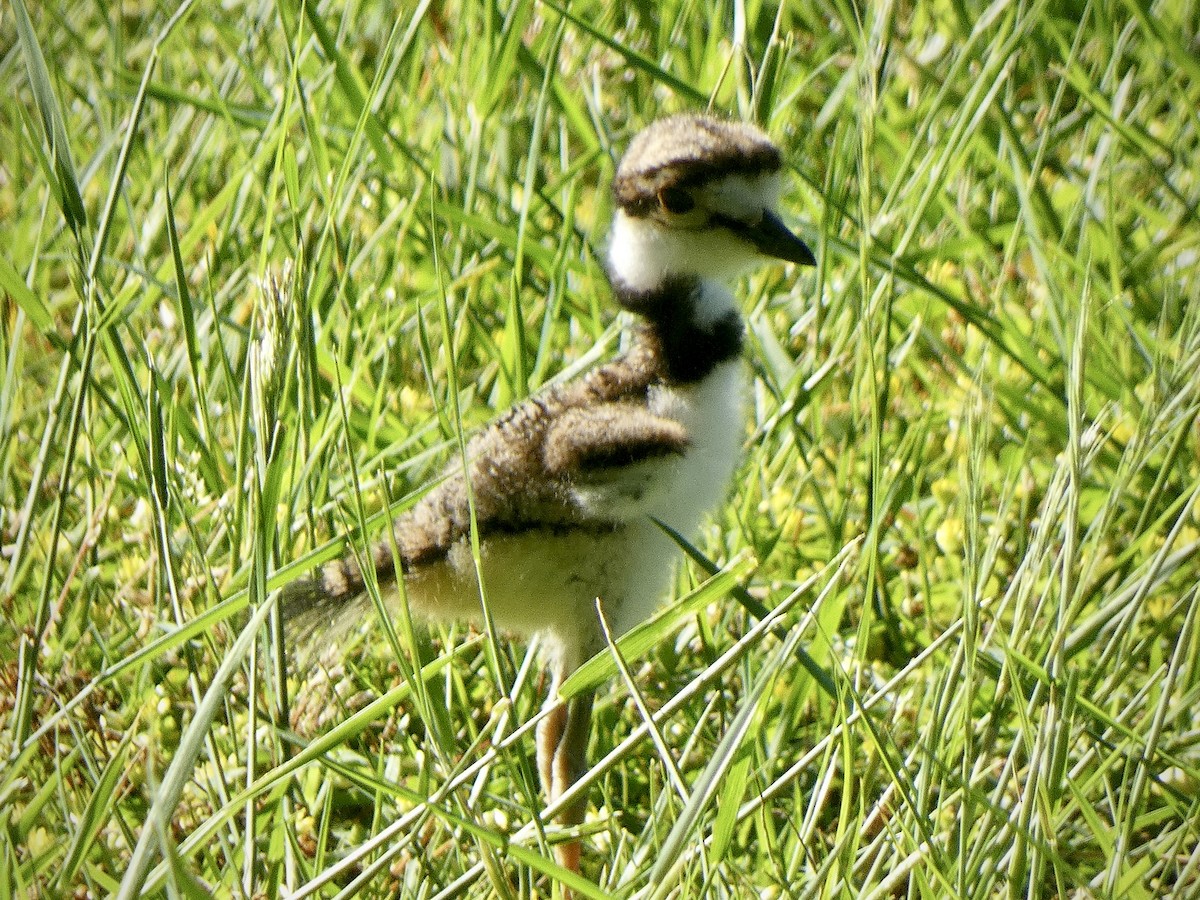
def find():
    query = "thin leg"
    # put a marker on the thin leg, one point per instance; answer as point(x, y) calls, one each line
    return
point(562, 760)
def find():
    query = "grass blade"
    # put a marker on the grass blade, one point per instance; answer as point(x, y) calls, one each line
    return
point(66, 186)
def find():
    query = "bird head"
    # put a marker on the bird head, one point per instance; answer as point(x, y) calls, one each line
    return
point(696, 198)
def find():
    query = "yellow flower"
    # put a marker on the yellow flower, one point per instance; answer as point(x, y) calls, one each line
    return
point(949, 536)
point(945, 490)
point(39, 841)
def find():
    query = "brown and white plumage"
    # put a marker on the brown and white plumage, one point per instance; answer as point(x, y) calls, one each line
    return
point(568, 484)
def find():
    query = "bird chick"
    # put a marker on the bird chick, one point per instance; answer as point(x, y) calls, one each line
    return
point(567, 485)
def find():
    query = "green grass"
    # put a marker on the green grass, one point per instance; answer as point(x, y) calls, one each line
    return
point(971, 487)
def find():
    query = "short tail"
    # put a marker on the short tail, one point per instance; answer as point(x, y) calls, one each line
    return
point(317, 611)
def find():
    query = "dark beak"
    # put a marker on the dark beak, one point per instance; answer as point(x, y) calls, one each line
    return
point(772, 238)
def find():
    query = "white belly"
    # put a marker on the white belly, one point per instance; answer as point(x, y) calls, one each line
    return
point(534, 581)
point(713, 412)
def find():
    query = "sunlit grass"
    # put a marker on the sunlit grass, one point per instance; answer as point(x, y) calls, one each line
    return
point(971, 489)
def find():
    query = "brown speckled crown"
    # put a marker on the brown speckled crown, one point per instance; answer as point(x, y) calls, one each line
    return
point(686, 150)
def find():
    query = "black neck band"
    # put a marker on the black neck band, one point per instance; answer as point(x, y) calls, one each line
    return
point(690, 350)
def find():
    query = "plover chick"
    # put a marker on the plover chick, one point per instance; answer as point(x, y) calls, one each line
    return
point(568, 485)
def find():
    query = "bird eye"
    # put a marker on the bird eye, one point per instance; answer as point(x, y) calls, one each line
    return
point(676, 200)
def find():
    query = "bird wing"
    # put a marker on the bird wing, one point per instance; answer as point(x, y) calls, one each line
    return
point(612, 455)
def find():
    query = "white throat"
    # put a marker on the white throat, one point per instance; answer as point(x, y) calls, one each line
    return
point(644, 256)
